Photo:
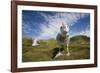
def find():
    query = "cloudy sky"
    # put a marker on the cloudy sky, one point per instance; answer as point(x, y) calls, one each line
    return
point(46, 24)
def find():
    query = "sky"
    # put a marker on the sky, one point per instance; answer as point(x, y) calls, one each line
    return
point(46, 24)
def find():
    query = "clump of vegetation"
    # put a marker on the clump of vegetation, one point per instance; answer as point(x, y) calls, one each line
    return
point(26, 44)
point(27, 41)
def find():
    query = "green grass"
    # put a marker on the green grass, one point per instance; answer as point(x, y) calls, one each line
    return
point(79, 49)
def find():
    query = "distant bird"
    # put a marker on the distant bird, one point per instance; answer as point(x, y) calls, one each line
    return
point(35, 42)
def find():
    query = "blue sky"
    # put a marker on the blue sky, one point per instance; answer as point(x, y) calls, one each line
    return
point(46, 24)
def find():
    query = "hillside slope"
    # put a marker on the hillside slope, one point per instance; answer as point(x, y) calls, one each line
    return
point(79, 49)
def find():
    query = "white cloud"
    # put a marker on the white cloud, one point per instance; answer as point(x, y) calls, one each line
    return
point(85, 32)
point(50, 28)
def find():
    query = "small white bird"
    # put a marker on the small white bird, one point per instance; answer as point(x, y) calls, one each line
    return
point(35, 43)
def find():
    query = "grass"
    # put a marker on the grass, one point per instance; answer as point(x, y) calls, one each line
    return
point(43, 52)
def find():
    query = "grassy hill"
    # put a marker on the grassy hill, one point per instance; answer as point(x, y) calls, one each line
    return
point(80, 41)
point(79, 49)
